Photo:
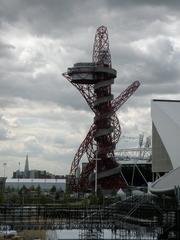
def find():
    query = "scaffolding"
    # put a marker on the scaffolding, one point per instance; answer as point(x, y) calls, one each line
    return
point(135, 216)
point(87, 234)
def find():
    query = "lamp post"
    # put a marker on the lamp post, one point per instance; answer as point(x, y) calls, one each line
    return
point(4, 165)
point(19, 164)
point(18, 174)
point(96, 159)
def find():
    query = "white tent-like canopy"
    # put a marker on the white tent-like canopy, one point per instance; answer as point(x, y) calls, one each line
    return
point(167, 183)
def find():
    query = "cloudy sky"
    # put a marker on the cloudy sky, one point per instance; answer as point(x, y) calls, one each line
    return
point(41, 113)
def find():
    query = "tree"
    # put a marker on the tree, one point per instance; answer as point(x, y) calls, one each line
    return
point(114, 192)
point(38, 190)
point(57, 196)
point(23, 189)
point(32, 189)
point(100, 196)
point(53, 189)
point(8, 189)
point(1, 198)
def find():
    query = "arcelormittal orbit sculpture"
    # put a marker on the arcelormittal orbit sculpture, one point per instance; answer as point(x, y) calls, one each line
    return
point(94, 80)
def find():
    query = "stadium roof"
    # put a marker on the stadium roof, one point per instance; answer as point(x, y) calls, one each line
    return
point(167, 183)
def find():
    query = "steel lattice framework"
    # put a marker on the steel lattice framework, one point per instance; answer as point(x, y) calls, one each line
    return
point(93, 81)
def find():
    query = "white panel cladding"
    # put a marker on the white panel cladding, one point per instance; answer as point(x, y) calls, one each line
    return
point(160, 157)
point(166, 118)
point(45, 184)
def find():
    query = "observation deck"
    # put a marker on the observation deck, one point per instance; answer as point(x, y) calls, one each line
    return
point(88, 73)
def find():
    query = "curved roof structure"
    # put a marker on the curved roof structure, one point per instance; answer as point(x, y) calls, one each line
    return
point(166, 135)
point(167, 183)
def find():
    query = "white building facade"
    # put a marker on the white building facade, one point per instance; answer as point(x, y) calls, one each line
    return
point(165, 135)
point(44, 184)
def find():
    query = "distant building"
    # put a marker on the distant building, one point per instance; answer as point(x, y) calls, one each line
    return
point(36, 174)
point(18, 174)
point(44, 184)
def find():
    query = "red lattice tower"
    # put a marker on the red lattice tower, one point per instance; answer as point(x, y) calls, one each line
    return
point(94, 80)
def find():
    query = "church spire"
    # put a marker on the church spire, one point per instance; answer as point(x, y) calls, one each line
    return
point(26, 168)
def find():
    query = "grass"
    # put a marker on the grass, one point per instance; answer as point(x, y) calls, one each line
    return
point(29, 235)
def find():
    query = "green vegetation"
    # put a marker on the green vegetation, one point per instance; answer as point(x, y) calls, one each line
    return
point(53, 196)
point(32, 234)
point(31, 196)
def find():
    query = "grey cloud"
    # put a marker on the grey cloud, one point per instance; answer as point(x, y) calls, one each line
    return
point(5, 134)
point(32, 146)
point(158, 70)
point(50, 18)
point(132, 3)
point(47, 87)
point(6, 50)
point(61, 32)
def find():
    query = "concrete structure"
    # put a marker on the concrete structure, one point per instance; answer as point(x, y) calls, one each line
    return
point(45, 184)
point(165, 145)
point(167, 183)
point(165, 135)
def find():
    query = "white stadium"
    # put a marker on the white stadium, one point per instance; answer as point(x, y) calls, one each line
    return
point(165, 145)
